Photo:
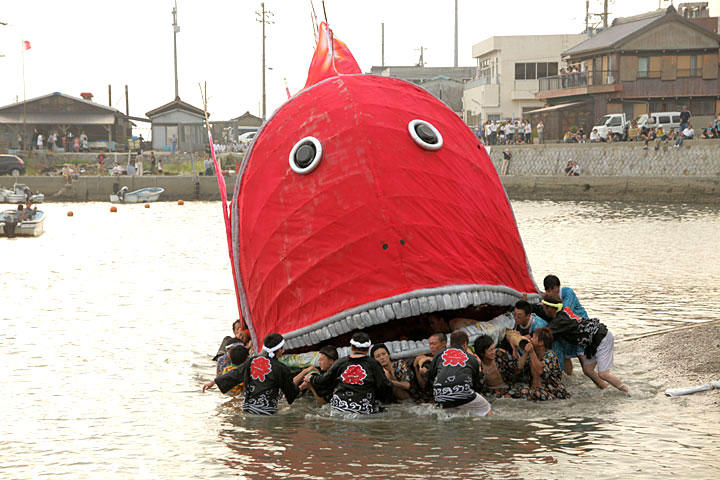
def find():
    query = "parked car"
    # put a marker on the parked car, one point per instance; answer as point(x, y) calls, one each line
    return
point(9, 164)
point(667, 120)
point(614, 122)
point(247, 137)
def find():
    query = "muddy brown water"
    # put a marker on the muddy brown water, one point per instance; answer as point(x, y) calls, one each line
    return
point(109, 322)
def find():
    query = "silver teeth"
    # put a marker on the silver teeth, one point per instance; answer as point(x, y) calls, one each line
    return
point(414, 307)
point(403, 306)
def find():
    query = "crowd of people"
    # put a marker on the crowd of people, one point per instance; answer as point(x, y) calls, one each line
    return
point(527, 363)
point(513, 132)
point(52, 141)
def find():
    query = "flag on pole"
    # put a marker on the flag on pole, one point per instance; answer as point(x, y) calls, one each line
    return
point(287, 90)
point(26, 45)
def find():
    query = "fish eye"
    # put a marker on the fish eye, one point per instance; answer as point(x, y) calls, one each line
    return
point(305, 155)
point(425, 135)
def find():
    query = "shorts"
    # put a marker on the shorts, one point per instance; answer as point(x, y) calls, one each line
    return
point(478, 407)
point(604, 355)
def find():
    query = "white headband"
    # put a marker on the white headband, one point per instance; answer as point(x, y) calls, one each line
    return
point(235, 344)
point(271, 350)
point(363, 346)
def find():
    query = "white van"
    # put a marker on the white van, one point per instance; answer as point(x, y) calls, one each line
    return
point(667, 120)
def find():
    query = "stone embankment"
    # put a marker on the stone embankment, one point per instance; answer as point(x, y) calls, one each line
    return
point(611, 172)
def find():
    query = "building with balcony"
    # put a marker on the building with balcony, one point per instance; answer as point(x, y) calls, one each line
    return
point(507, 74)
point(654, 62)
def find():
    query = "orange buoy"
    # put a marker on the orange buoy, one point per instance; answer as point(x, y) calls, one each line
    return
point(180, 202)
point(147, 205)
point(70, 214)
point(113, 209)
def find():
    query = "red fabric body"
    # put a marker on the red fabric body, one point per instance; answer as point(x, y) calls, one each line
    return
point(380, 216)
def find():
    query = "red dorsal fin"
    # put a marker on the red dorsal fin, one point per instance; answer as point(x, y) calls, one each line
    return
point(332, 58)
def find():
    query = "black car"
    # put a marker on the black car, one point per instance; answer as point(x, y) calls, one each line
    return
point(11, 163)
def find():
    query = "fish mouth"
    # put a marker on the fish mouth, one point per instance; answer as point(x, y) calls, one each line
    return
point(401, 321)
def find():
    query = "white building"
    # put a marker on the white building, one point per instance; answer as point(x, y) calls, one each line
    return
point(507, 73)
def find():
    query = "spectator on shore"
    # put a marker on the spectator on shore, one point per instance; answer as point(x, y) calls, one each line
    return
point(40, 142)
point(575, 171)
point(84, 145)
point(688, 133)
point(684, 118)
point(173, 143)
point(652, 135)
point(595, 136)
point(33, 142)
point(70, 142)
point(716, 126)
point(208, 164)
point(708, 132)
point(20, 141)
point(152, 163)
point(507, 156)
point(540, 128)
point(160, 167)
point(633, 131)
point(568, 167)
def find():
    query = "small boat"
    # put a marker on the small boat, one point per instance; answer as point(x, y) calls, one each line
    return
point(143, 195)
point(27, 228)
point(20, 194)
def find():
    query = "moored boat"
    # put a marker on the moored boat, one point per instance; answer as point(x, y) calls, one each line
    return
point(143, 195)
point(27, 228)
point(20, 194)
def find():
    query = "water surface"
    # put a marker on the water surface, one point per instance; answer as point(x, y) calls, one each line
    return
point(109, 322)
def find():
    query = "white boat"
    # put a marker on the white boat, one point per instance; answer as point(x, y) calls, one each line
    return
point(27, 228)
point(20, 194)
point(143, 195)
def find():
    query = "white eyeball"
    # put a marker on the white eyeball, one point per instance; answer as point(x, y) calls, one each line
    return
point(425, 135)
point(305, 156)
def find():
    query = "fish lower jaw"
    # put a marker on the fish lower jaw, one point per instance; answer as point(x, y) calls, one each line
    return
point(401, 321)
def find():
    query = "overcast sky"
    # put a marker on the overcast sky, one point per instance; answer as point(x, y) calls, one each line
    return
point(84, 45)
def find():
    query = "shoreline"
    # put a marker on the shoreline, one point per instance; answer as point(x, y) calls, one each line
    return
point(678, 189)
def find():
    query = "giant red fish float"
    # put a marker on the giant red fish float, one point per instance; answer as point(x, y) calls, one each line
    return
point(366, 203)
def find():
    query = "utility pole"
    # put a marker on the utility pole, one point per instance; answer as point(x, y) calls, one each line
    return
point(456, 33)
point(382, 44)
point(264, 18)
point(587, 17)
point(127, 102)
point(422, 57)
point(605, 15)
point(176, 29)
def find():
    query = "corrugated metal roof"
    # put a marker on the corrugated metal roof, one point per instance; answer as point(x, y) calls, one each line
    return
point(59, 118)
point(608, 38)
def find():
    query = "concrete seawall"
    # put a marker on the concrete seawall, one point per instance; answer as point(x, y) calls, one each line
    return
point(94, 188)
point(681, 189)
point(624, 159)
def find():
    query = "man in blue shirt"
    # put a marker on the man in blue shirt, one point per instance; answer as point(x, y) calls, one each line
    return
point(562, 348)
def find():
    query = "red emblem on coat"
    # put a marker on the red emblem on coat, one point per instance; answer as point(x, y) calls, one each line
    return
point(354, 375)
point(260, 367)
point(454, 357)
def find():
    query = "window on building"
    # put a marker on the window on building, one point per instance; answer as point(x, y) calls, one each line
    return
point(643, 67)
point(689, 65)
point(535, 70)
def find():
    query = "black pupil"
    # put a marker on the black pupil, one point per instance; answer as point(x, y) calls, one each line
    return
point(305, 155)
point(426, 134)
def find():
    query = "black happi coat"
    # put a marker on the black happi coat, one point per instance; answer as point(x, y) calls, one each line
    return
point(584, 332)
point(357, 384)
point(265, 378)
point(455, 377)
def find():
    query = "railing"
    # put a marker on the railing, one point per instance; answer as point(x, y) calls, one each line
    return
point(578, 79)
point(483, 81)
